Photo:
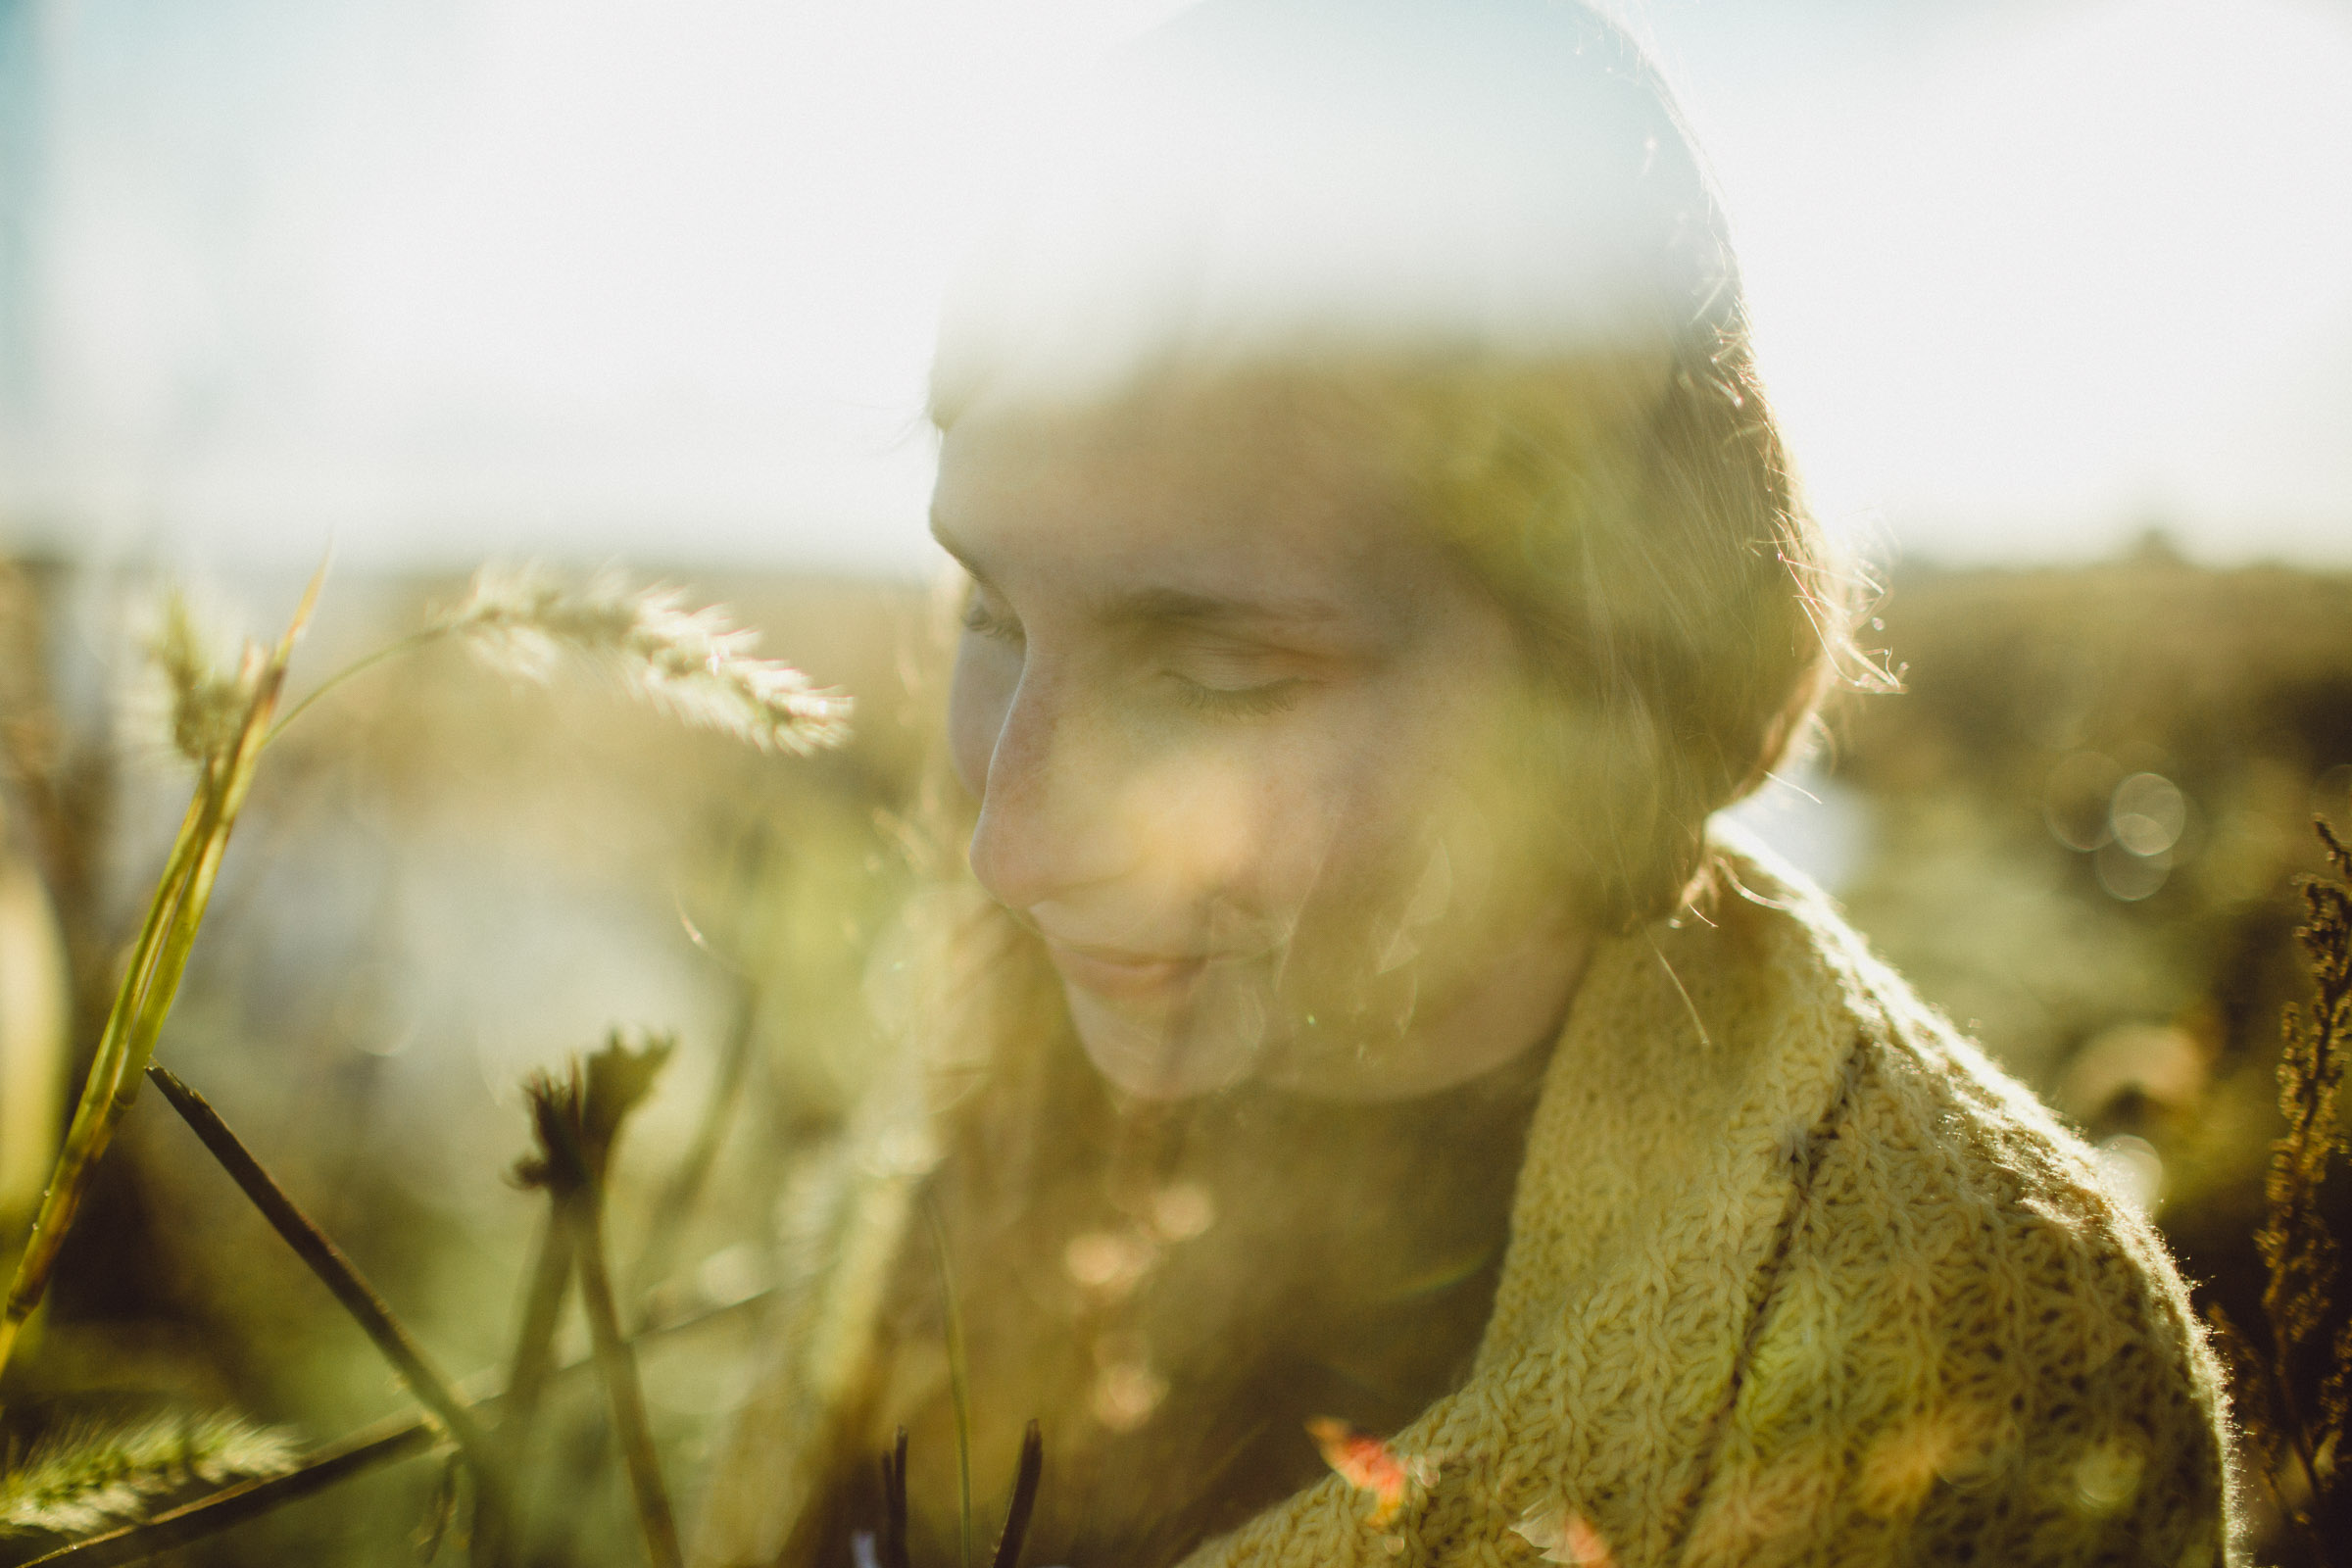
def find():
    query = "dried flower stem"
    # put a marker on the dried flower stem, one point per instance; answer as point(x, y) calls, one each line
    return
point(151, 978)
point(534, 1360)
point(531, 1369)
point(2296, 1393)
point(618, 1367)
point(577, 1117)
point(326, 1260)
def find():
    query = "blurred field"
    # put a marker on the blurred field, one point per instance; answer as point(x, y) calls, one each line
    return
point(2076, 831)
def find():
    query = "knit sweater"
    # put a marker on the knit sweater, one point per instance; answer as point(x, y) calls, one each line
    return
point(1795, 1276)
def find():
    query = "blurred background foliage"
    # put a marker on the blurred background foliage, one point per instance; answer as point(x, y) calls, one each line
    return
point(2076, 830)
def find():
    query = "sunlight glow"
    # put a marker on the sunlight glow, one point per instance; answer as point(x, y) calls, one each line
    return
point(514, 276)
point(2086, 272)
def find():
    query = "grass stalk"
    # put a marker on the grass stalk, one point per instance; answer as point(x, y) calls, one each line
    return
point(534, 1358)
point(528, 1374)
point(337, 1272)
point(151, 979)
point(616, 1364)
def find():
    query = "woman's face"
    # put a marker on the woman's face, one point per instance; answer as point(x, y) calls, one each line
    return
point(1249, 748)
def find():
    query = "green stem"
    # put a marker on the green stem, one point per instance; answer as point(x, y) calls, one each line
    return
point(87, 1135)
point(151, 979)
point(392, 649)
point(960, 1380)
point(527, 1377)
point(534, 1345)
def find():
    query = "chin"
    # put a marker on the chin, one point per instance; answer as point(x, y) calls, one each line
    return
point(1211, 1037)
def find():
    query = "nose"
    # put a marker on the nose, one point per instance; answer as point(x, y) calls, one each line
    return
point(1050, 824)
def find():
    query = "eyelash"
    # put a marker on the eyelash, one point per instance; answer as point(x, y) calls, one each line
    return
point(1246, 702)
point(981, 621)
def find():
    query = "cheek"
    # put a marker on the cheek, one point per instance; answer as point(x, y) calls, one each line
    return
point(978, 699)
point(1376, 824)
point(1320, 816)
point(1418, 819)
point(1248, 819)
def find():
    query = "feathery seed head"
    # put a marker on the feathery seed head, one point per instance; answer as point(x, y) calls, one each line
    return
point(91, 1475)
point(695, 664)
point(208, 707)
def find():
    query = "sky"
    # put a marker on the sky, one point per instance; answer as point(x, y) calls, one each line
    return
point(445, 278)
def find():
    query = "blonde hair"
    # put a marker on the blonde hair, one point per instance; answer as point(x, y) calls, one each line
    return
point(1606, 465)
point(1686, 610)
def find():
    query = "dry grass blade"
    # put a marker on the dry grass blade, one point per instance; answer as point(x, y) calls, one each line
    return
point(693, 663)
point(359, 1298)
point(1026, 1480)
point(158, 959)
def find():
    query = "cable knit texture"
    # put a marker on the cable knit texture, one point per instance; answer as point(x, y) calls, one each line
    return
point(1796, 1276)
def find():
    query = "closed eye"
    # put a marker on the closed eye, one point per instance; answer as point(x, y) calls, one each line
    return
point(1238, 702)
point(983, 622)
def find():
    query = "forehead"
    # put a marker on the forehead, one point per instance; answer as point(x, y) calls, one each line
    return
point(1271, 494)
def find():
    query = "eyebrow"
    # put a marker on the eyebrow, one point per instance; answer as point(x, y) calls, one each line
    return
point(1179, 608)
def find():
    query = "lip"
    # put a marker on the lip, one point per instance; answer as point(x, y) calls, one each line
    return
point(1117, 975)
